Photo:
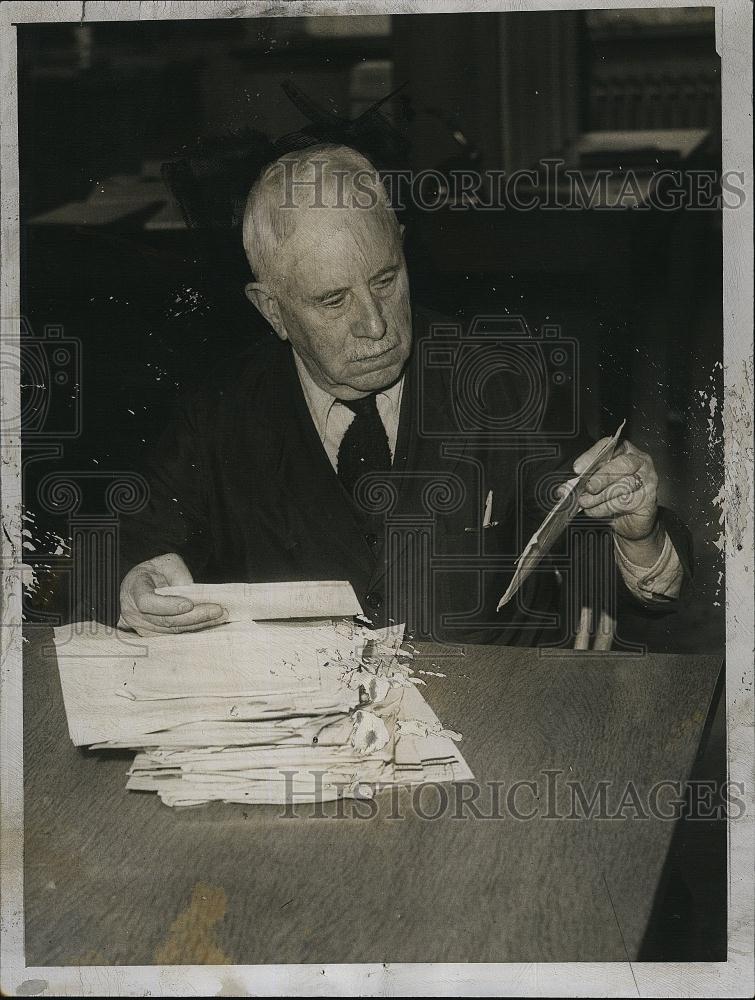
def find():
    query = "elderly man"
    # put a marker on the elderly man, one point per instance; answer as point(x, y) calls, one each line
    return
point(333, 451)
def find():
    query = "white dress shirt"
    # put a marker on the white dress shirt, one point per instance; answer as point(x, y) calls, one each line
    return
point(661, 581)
point(332, 419)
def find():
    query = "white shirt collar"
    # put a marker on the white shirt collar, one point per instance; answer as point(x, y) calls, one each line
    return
point(320, 402)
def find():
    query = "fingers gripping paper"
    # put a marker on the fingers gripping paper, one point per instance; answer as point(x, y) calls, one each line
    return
point(246, 712)
point(268, 601)
point(556, 521)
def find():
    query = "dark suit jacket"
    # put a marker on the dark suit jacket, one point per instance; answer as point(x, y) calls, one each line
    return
point(242, 489)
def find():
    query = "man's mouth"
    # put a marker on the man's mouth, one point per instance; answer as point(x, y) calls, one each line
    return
point(370, 358)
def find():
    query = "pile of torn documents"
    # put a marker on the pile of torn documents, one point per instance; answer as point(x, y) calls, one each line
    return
point(267, 709)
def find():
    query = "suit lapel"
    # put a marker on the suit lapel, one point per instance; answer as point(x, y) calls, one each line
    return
point(309, 485)
point(429, 447)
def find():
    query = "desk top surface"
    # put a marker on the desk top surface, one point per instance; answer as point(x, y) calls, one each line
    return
point(115, 877)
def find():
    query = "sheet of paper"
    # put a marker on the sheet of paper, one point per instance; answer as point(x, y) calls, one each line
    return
point(267, 601)
point(556, 521)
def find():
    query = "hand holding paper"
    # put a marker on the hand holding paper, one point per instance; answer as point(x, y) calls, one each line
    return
point(243, 602)
point(564, 511)
point(622, 488)
point(159, 596)
point(147, 611)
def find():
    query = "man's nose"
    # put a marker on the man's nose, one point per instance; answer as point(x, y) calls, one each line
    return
point(370, 323)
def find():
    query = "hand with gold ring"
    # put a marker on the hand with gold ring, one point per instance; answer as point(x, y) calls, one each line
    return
point(623, 490)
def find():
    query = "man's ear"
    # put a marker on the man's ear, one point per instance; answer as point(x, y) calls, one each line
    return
point(267, 303)
point(402, 231)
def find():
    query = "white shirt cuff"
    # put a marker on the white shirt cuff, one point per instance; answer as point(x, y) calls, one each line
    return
point(660, 582)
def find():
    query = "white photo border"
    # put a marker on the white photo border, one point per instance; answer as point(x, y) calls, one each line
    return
point(734, 20)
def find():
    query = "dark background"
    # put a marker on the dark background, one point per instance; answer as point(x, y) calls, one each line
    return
point(108, 261)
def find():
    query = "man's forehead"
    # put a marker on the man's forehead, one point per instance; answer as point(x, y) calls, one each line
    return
point(347, 221)
point(338, 244)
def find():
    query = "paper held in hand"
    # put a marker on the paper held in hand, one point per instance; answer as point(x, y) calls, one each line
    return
point(271, 601)
point(557, 520)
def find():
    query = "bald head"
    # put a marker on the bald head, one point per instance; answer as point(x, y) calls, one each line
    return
point(322, 178)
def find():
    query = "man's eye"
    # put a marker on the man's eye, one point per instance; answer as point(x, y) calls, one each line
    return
point(385, 280)
point(334, 303)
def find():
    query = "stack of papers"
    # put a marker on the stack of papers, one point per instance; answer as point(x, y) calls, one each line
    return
point(257, 712)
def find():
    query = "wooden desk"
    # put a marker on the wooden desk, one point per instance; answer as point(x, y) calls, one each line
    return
point(116, 877)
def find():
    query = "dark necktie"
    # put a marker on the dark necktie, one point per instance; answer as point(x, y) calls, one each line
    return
point(364, 447)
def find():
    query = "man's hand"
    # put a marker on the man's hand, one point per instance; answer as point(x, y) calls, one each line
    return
point(624, 491)
point(145, 611)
